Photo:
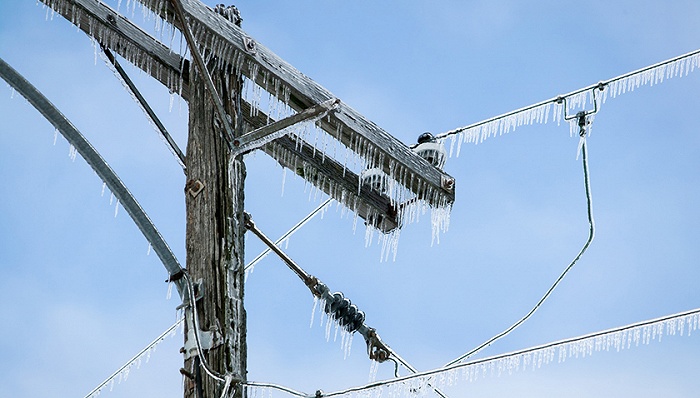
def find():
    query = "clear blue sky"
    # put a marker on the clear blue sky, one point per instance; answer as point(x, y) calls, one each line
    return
point(80, 295)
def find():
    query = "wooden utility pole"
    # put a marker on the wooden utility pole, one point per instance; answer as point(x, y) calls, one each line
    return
point(215, 347)
point(215, 244)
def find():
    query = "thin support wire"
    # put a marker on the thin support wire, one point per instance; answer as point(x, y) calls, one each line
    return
point(135, 358)
point(289, 233)
point(591, 234)
point(129, 84)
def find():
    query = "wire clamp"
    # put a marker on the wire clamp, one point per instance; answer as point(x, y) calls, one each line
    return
point(375, 347)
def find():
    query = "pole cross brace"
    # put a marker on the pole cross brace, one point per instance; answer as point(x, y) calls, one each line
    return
point(261, 136)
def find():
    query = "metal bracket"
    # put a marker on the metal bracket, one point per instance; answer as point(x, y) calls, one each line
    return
point(194, 187)
point(260, 137)
point(207, 340)
point(562, 100)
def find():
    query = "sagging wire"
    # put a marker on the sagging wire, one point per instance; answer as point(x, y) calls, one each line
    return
point(339, 308)
point(583, 121)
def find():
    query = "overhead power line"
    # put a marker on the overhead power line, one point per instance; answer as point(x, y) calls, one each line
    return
point(249, 267)
point(554, 108)
point(618, 339)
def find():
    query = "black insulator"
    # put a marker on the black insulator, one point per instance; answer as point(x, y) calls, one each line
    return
point(350, 314)
point(342, 310)
point(426, 137)
point(358, 321)
point(333, 304)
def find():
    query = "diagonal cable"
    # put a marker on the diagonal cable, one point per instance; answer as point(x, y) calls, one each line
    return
point(129, 84)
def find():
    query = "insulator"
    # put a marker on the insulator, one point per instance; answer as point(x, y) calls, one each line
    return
point(321, 289)
point(357, 321)
point(433, 152)
point(335, 302)
point(376, 179)
point(342, 310)
point(349, 316)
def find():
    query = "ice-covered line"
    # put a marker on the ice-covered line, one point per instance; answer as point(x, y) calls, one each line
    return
point(553, 109)
point(618, 339)
point(136, 360)
point(289, 233)
point(98, 164)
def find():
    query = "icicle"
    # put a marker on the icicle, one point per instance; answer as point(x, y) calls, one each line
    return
point(72, 153)
point(116, 209)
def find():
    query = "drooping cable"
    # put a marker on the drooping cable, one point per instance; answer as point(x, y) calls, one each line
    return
point(591, 234)
point(93, 158)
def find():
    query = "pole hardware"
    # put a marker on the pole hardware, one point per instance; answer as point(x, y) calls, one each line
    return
point(261, 136)
point(339, 307)
point(194, 187)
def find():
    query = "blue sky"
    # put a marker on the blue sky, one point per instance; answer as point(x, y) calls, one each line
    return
point(80, 295)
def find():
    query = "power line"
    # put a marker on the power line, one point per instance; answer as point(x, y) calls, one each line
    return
point(619, 338)
point(540, 112)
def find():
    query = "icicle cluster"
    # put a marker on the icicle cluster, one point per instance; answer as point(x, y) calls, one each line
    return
point(109, 38)
point(422, 384)
point(331, 323)
point(355, 153)
point(540, 113)
point(651, 76)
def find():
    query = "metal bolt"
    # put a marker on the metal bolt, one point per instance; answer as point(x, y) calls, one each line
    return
point(448, 184)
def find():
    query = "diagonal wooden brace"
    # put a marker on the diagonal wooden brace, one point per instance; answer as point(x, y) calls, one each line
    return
point(259, 137)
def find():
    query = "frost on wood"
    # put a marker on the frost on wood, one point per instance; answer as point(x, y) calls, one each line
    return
point(99, 22)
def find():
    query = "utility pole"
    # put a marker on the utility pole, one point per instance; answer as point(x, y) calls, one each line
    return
point(215, 245)
point(215, 343)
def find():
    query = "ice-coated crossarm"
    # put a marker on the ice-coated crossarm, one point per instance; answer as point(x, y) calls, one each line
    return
point(143, 50)
point(117, 33)
point(231, 45)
